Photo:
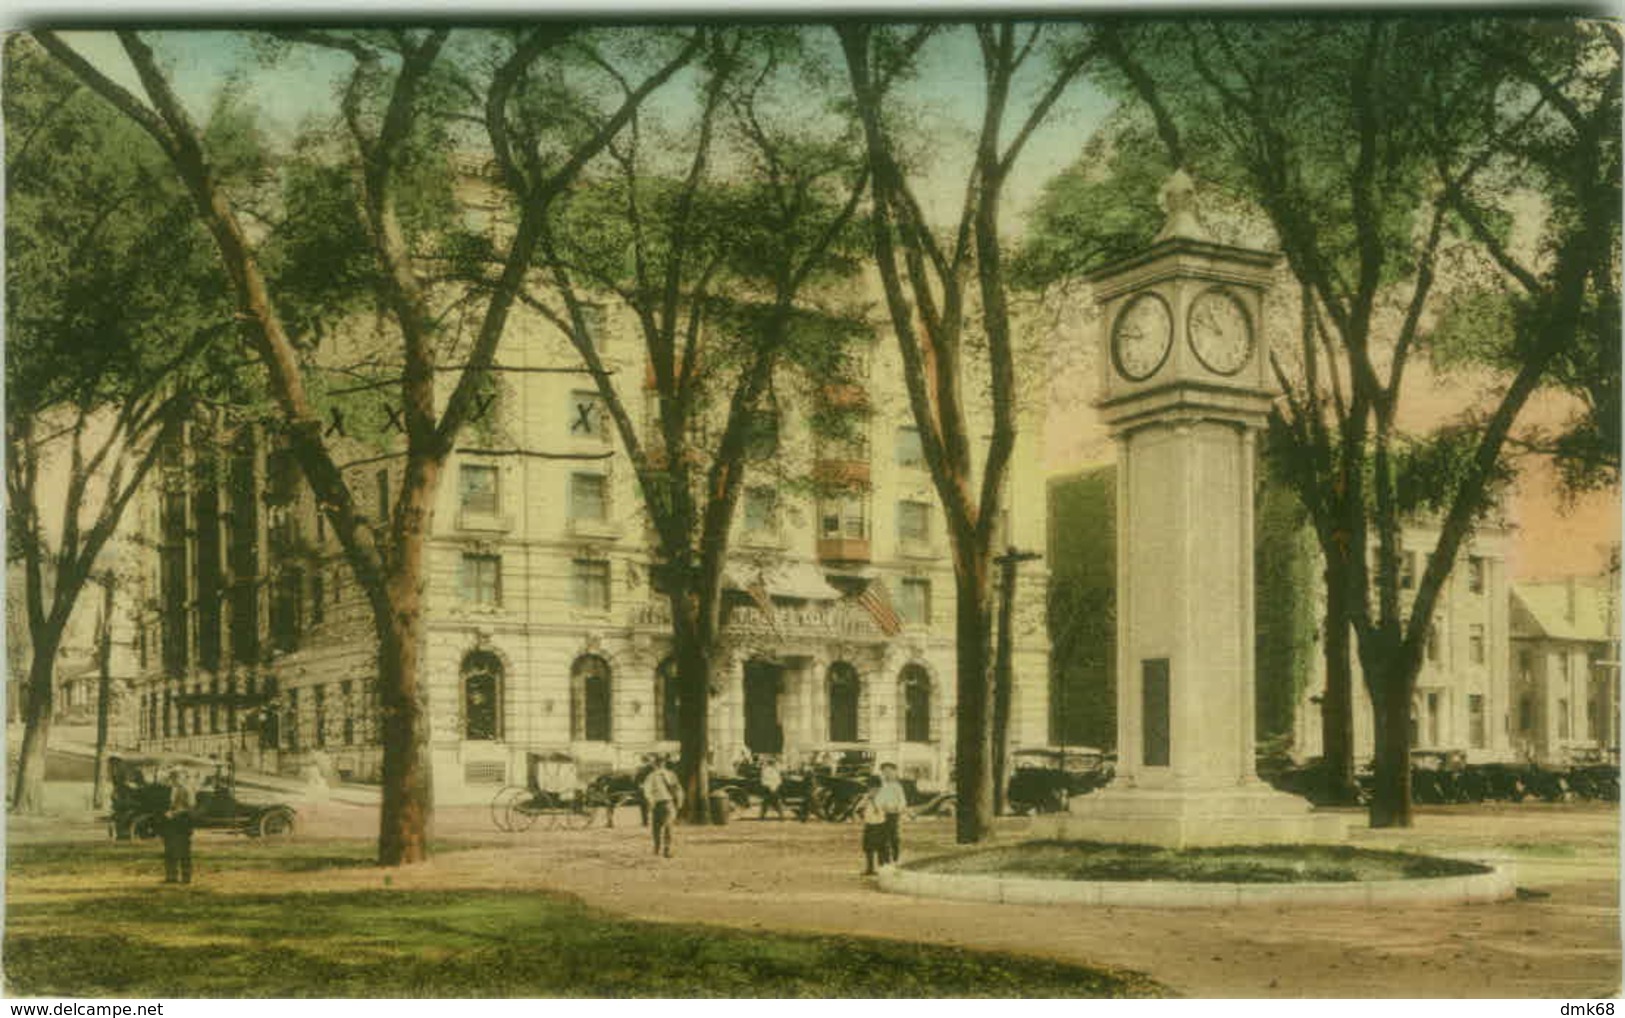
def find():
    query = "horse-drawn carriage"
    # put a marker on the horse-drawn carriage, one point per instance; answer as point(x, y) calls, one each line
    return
point(554, 797)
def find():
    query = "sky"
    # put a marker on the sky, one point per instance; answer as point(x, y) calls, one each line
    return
point(1554, 536)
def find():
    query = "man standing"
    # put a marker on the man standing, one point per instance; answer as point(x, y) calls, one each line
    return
point(176, 830)
point(892, 800)
point(664, 795)
point(772, 780)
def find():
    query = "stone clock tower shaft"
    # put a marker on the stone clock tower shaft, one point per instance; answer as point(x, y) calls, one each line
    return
point(1185, 391)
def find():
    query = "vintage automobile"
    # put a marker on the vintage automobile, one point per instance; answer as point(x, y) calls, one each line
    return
point(1045, 780)
point(141, 795)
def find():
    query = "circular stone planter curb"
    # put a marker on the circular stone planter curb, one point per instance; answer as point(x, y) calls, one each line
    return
point(1496, 885)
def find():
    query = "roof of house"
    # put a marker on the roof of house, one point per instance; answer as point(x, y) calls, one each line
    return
point(1572, 609)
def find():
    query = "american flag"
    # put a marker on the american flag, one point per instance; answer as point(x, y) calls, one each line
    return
point(876, 600)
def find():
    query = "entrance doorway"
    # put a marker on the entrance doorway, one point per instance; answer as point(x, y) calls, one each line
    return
point(763, 681)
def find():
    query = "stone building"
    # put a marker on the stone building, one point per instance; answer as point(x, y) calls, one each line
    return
point(1565, 668)
point(544, 632)
point(1463, 697)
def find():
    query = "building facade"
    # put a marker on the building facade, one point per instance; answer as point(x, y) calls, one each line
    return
point(1565, 668)
point(545, 632)
point(1463, 698)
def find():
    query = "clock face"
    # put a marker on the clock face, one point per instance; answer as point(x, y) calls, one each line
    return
point(1221, 333)
point(1142, 337)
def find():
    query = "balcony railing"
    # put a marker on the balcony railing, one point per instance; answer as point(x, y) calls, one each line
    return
point(844, 549)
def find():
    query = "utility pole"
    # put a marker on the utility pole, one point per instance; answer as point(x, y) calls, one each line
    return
point(1001, 670)
point(104, 690)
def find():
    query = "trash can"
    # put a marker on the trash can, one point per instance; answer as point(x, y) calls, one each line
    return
point(719, 807)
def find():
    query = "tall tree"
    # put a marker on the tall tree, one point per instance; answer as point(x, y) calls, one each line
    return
point(111, 311)
point(393, 109)
point(1374, 146)
point(947, 296)
point(720, 237)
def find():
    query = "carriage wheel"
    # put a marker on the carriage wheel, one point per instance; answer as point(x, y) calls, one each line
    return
point(521, 817)
point(144, 827)
point(506, 796)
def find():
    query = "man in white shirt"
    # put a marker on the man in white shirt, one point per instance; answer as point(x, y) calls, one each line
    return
point(664, 794)
point(893, 799)
point(771, 780)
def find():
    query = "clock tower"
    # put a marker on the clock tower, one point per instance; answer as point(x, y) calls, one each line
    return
point(1186, 391)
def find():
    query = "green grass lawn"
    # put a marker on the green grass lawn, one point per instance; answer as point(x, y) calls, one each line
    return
point(1085, 860)
point(192, 942)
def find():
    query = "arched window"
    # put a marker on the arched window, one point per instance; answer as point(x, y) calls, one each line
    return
point(482, 697)
point(589, 699)
point(843, 702)
point(668, 699)
point(915, 686)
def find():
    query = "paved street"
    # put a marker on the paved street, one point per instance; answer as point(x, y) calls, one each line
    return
point(1560, 940)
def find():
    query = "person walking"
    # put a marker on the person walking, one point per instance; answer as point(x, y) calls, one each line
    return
point(772, 780)
point(893, 800)
point(664, 794)
point(176, 830)
point(876, 839)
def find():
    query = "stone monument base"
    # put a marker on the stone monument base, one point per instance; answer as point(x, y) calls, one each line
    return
point(1250, 814)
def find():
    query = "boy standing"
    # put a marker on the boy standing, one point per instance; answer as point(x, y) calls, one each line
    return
point(664, 794)
point(876, 840)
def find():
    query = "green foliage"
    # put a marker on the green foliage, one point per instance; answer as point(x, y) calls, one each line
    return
point(1101, 209)
point(1082, 608)
point(1429, 470)
point(1285, 623)
point(109, 278)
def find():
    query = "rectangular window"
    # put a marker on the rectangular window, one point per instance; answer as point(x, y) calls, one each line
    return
point(761, 510)
point(846, 517)
point(1407, 570)
point(1475, 574)
point(1475, 643)
point(1433, 643)
point(287, 622)
point(1475, 720)
point(913, 522)
point(318, 733)
point(587, 418)
point(590, 584)
point(910, 452)
point(914, 601)
point(1433, 719)
point(383, 494)
point(588, 497)
point(347, 705)
point(1562, 719)
point(318, 599)
point(477, 489)
point(481, 579)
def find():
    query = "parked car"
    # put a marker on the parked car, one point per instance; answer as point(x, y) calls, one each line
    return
point(141, 796)
point(1045, 780)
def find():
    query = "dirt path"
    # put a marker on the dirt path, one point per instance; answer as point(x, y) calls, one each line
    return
point(1561, 943)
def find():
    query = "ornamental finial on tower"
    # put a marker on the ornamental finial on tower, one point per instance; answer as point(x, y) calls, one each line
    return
point(1178, 201)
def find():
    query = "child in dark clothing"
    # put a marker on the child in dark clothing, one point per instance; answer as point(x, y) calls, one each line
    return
point(876, 843)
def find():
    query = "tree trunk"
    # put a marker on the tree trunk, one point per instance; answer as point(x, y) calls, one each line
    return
point(403, 833)
point(104, 696)
point(1391, 698)
point(39, 698)
point(973, 741)
point(1004, 650)
point(694, 663)
point(1337, 704)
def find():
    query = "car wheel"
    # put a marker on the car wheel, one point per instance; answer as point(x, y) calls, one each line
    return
point(278, 823)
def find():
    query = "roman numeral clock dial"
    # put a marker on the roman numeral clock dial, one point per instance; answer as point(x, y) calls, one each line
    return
point(1221, 333)
point(1142, 337)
